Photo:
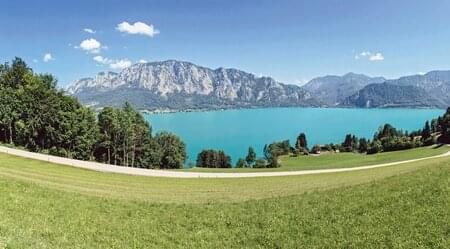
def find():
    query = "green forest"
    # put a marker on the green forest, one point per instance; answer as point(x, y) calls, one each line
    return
point(38, 116)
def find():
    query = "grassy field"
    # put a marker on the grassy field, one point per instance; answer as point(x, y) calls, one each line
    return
point(51, 206)
point(338, 160)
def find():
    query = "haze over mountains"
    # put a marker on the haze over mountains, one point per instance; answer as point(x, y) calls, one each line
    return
point(178, 85)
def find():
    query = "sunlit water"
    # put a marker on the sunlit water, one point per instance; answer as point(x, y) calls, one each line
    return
point(235, 130)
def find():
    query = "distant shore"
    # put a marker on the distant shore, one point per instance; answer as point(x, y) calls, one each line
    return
point(168, 111)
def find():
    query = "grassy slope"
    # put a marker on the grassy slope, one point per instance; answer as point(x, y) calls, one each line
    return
point(339, 160)
point(405, 206)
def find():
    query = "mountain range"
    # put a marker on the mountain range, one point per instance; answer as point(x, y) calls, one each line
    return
point(178, 85)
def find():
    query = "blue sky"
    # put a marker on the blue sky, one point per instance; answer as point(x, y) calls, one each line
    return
point(292, 41)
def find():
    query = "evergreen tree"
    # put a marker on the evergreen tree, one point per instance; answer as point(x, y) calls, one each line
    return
point(301, 143)
point(363, 145)
point(426, 132)
point(251, 156)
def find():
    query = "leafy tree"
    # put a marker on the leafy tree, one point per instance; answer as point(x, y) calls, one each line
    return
point(350, 143)
point(363, 145)
point(9, 114)
point(214, 159)
point(173, 150)
point(434, 125)
point(241, 163)
point(251, 156)
point(301, 144)
point(444, 125)
point(387, 131)
point(274, 150)
point(375, 147)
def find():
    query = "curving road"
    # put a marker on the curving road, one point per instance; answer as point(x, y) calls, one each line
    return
point(179, 174)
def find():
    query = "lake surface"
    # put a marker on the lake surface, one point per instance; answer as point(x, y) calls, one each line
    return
point(235, 130)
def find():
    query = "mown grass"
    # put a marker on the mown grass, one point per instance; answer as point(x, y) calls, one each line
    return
point(51, 206)
point(337, 160)
point(176, 190)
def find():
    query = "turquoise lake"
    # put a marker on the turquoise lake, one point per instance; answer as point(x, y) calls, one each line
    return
point(235, 130)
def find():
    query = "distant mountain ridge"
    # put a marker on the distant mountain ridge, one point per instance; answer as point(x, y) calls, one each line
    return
point(178, 85)
point(386, 95)
point(183, 85)
point(435, 83)
point(422, 90)
point(332, 89)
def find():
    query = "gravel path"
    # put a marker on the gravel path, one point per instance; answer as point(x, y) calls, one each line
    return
point(179, 174)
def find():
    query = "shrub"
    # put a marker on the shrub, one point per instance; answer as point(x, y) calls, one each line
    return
point(315, 149)
point(260, 163)
point(241, 163)
point(375, 147)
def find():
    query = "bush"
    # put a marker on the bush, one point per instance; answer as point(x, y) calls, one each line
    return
point(57, 152)
point(329, 147)
point(241, 163)
point(375, 147)
point(315, 149)
point(261, 163)
point(430, 141)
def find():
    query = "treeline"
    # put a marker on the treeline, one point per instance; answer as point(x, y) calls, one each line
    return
point(387, 138)
point(213, 159)
point(36, 115)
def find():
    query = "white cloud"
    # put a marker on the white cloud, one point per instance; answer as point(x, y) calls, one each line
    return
point(90, 45)
point(90, 31)
point(138, 28)
point(35, 61)
point(47, 57)
point(113, 64)
point(102, 60)
point(120, 64)
point(142, 61)
point(376, 57)
point(370, 56)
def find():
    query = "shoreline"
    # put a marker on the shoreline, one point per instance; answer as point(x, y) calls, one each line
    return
point(171, 111)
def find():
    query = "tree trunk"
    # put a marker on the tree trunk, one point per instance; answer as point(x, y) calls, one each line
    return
point(10, 134)
point(133, 155)
point(109, 155)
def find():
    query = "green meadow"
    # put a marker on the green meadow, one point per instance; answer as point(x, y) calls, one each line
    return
point(329, 160)
point(45, 205)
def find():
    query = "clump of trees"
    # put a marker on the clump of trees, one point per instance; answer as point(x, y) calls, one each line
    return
point(392, 139)
point(213, 159)
point(442, 125)
point(274, 150)
point(350, 143)
point(40, 117)
point(249, 160)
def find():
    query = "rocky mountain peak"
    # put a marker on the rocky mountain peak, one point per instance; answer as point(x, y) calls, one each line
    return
point(188, 83)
